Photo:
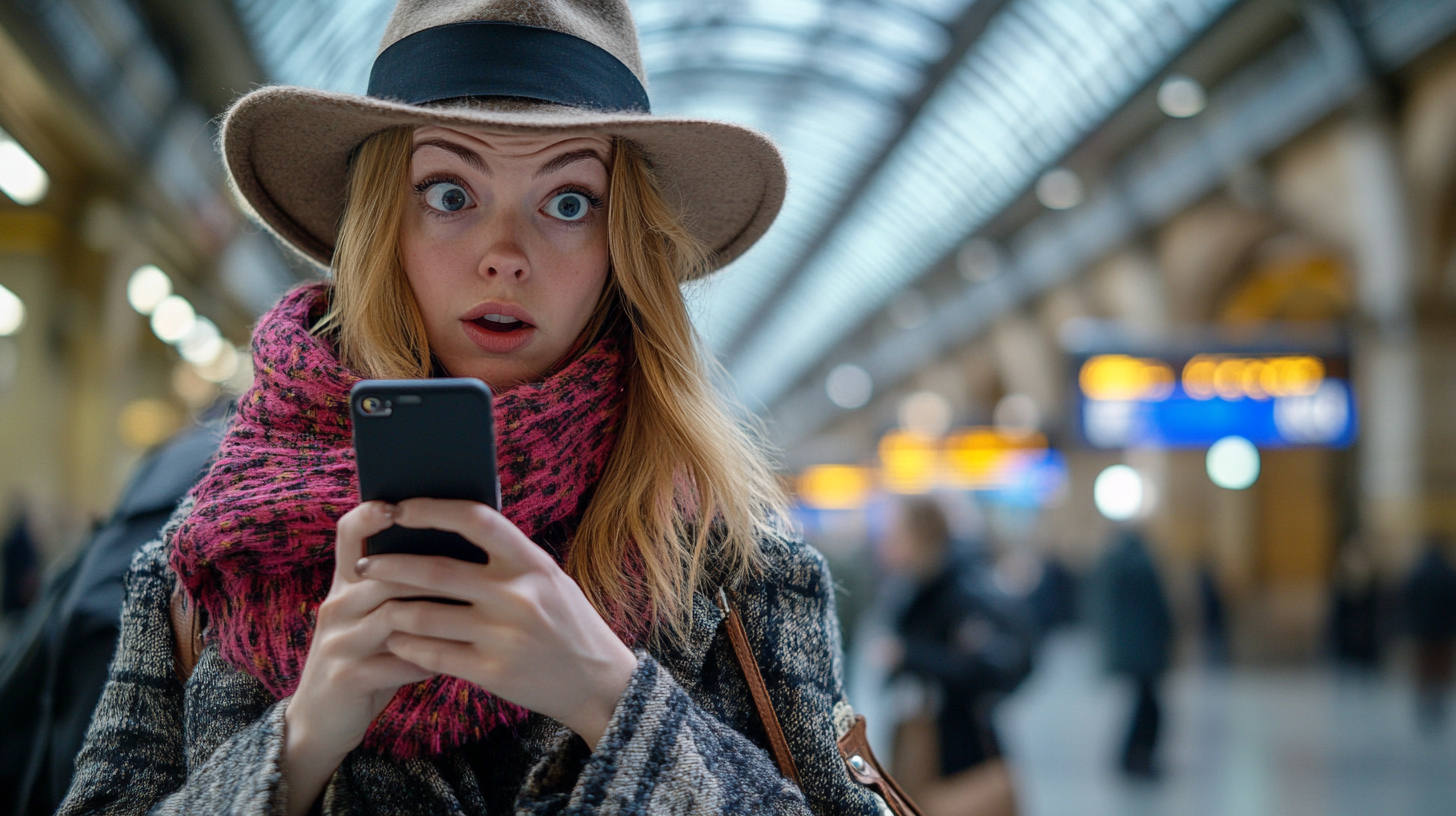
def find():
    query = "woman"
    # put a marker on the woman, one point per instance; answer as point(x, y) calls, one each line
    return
point(962, 645)
point(498, 217)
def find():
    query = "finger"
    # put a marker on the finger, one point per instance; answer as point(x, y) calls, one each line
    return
point(385, 671)
point(355, 600)
point(429, 575)
point(509, 549)
point(355, 526)
point(463, 624)
point(343, 644)
point(440, 656)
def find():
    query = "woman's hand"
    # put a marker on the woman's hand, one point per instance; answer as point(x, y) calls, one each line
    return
point(528, 635)
point(350, 676)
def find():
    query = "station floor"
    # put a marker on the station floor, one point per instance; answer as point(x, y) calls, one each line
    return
point(1236, 742)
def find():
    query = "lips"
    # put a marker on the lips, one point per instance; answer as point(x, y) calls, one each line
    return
point(498, 328)
point(501, 323)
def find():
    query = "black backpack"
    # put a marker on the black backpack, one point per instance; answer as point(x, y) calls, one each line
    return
point(53, 671)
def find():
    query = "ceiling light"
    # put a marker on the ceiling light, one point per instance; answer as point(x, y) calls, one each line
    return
point(1059, 189)
point(21, 176)
point(925, 413)
point(202, 344)
point(1181, 97)
point(12, 312)
point(173, 318)
point(147, 287)
point(221, 368)
point(849, 386)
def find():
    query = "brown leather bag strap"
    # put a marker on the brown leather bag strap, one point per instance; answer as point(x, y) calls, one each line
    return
point(864, 768)
point(854, 747)
point(187, 626)
point(777, 743)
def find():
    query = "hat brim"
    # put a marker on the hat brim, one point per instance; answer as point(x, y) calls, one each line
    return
point(287, 154)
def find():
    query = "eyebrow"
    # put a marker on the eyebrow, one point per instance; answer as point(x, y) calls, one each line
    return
point(466, 155)
point(565, 159)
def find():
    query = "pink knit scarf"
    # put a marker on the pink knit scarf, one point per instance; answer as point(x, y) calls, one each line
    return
point(257, 551)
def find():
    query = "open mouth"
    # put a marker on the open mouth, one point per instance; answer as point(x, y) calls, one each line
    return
point(500, 324)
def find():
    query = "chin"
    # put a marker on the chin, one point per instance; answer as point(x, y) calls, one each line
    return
point(499, 377)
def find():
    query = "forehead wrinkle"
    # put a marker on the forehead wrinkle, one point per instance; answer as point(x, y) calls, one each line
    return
point(568, 158)
point(466, 155)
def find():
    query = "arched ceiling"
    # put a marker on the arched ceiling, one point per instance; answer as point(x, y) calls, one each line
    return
point(907, 125)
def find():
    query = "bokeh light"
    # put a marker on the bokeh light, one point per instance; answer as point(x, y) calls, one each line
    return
point(12, 312)
point(21, 176)
point(1181, 96)
point(1059, 189)
point(925, 413)
point(849, 386)
point(202, 343)
point(1118, 493)
point(147, 287)
point(1233, 463)
point(173, 318)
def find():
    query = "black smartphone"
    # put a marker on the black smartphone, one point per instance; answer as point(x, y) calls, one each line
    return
point(424, 439)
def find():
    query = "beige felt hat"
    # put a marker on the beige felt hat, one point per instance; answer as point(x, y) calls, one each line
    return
point(527, 66)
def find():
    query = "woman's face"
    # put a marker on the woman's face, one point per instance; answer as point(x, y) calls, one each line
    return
point(504, 241)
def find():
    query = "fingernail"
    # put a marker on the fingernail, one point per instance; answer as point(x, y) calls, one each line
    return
point(361, 566)
point(389, 509)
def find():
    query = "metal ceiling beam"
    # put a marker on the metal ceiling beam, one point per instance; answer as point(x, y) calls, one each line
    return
point(965, 32)
point(1295, 84)
point(698, 78)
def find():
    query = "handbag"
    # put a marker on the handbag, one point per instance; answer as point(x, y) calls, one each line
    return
point(854, 745)
point(984, 789)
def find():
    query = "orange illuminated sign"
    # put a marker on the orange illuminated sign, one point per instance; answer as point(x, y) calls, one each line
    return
point(987, 457)
point(1122, 378)
point(968, 458)
point(835, 487)
point(1259, 378)
point(909, 463)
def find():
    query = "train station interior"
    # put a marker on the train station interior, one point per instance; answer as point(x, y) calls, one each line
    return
point(1081, 274)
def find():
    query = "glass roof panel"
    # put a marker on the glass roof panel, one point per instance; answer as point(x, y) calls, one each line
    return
point(1068, 62)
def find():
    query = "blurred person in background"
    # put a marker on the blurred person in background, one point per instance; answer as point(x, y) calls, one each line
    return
point(1215, 615)
point(1135, 625)
point(52, 673)
point(1430, 606)
point(1355, 609)
point(965, 645)
point(1054, 599)
point(21, 564)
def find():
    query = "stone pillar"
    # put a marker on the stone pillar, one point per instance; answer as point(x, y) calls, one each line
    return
point(1386, 351)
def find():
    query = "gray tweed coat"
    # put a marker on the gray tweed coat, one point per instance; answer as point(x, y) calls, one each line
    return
point(684, 739)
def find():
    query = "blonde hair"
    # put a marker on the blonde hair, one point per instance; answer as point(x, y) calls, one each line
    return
point(689, 491)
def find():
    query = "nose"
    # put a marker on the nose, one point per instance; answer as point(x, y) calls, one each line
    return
point(502, 254)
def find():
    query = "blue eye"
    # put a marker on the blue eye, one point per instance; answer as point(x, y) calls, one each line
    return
point(568, 206)
point(447, 197)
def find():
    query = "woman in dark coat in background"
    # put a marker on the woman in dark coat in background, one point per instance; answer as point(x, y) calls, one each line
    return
point(967, 644)
point(1430, 601)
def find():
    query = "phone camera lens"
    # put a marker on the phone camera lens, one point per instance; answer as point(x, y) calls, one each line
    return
point(371, 405)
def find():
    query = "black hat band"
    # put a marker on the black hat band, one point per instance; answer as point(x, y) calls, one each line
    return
point(488, 58)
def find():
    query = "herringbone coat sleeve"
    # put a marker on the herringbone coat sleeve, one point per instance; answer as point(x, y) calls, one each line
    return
point(148, 750)
point(676, 744)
